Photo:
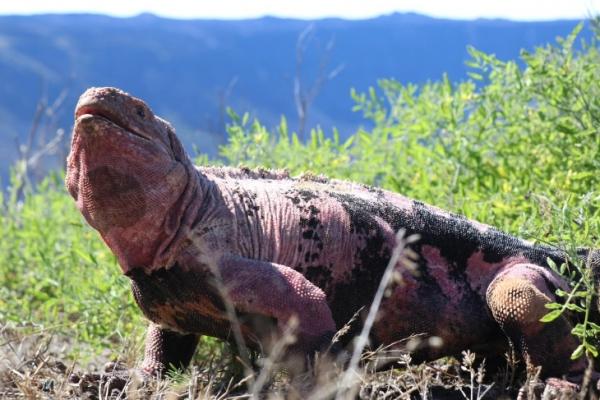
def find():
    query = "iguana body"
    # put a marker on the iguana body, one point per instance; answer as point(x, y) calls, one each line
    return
point(307, 247)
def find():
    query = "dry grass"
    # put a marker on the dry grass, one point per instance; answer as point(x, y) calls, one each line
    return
point(35, 365)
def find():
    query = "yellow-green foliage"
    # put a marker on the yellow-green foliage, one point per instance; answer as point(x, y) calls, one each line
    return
point(57, 274)
point(516, 146)
point(512, 146)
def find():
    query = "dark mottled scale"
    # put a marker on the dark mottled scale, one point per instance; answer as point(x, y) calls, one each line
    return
point(319, 275)
point(456, 238)
point(175, 289)
point(190, 298)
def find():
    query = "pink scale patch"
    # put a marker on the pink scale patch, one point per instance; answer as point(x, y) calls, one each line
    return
point(480, 273)
point(438, 267)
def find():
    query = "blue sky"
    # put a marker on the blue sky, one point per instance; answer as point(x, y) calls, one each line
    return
point(234, 9)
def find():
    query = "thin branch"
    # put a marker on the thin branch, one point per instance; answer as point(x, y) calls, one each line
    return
point(304, 97)
point(362, 340)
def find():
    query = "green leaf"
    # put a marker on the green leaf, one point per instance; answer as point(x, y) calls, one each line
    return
point(563, 268)
point(561, 293)
point(594, 326)
point(475, 76)
point(591, 349)
point(566, 129)
point(574, 307)
point(578, 330)
point(553, 306)
point(578, 352)
point(551, 316)
point(88, 257)
point(580, 293)
point(551, 263)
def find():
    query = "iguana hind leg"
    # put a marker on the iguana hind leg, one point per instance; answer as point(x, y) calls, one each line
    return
point(517, 299)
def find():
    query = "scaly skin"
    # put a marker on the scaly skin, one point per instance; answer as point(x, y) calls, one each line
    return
point(307, 247)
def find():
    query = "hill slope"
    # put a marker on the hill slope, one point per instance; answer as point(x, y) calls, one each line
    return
point(188, 70)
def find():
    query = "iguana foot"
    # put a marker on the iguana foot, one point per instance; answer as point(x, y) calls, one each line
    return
point(559, 389)
point(113, 382)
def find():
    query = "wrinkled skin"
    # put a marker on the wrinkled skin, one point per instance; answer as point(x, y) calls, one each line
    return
point(276, 247)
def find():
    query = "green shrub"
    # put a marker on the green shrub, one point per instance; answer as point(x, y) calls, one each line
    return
point(57, 274)
point(510, 146)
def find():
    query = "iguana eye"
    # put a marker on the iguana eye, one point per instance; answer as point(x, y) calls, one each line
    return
point(140, 111)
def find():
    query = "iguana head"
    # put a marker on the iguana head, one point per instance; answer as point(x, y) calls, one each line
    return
point(130, 177)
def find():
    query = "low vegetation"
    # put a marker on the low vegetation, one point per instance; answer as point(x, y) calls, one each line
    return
point(516, 146)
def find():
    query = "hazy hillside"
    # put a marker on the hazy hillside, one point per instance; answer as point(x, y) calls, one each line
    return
point(187, 70)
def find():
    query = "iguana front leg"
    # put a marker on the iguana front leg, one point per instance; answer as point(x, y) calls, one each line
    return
point(165, 349)
point(279, 292)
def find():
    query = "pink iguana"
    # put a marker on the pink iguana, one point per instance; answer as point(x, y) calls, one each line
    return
point(311, 248)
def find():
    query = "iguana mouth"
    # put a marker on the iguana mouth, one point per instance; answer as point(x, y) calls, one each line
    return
point(88, 111)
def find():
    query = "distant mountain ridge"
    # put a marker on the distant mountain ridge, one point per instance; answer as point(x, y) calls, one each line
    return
point(188, 70)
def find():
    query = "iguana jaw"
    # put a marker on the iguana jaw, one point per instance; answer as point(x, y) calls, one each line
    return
point(84, 114)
